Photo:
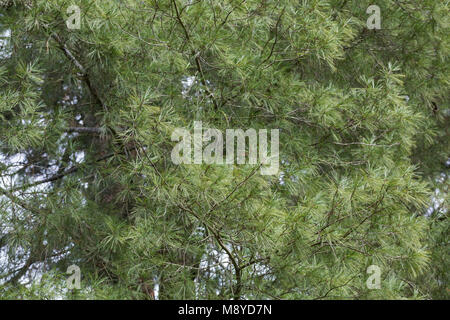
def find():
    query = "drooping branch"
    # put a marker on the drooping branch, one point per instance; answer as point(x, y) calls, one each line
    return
point(196, 57)
point(56, 177)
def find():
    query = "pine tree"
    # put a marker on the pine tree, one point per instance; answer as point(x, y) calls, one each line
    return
point(87, 178)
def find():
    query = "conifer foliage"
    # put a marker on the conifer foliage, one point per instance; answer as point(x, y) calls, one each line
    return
point(87, 114)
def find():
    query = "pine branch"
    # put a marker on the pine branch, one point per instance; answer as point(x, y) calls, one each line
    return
point(85, 130)
point(62, 46)
point(56, 177)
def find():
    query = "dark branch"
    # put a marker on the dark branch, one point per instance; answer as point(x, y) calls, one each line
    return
point(85, 130)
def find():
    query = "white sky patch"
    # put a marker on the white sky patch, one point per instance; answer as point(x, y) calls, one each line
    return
point(5, 52)
point(187, 83)
point(79, 156)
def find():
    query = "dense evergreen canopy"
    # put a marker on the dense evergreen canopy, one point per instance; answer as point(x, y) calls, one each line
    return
point(85, 149)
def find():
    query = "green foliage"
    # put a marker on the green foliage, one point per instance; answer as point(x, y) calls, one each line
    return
point(86, 119)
